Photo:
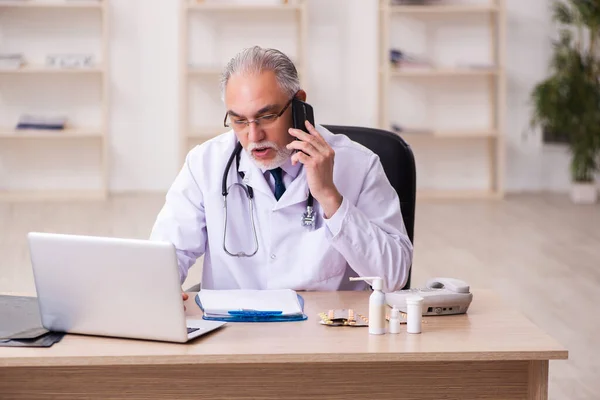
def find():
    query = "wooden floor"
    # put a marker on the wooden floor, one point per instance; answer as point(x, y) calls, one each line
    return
point(540, 252)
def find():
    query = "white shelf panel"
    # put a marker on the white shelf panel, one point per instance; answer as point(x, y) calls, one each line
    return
point(40, 69)
point(51, 195)
point(51, 4)
point(74, 133)
point(450, 134)
point(243, 7)
point(432, 194)
point(442, 72)
point(445, 9)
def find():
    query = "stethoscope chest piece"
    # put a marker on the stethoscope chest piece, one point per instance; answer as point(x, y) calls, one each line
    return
point(308, 218)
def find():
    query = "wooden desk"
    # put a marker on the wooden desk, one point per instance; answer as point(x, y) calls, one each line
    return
point(490, 353)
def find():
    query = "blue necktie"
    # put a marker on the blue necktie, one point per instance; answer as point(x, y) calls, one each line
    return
point(279, 186)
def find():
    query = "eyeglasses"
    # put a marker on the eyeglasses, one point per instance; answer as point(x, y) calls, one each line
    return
point(240, 125)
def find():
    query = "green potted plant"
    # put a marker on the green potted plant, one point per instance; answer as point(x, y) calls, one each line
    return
point(568, 101)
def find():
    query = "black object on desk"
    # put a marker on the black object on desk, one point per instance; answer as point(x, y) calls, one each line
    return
point(20, 324)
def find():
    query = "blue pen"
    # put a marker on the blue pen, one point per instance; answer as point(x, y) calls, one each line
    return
point(248, 312)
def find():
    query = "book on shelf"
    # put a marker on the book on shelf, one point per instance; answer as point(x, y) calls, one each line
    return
point(401, 58)
point(33, 122)
point(70, 60)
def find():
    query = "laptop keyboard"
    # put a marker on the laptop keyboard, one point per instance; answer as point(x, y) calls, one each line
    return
point(190, 330)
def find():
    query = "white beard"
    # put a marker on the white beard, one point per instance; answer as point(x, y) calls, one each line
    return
point(281, 155)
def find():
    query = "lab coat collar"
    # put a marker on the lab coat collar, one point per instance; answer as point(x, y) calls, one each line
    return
point(254, 177)
point(296, 193)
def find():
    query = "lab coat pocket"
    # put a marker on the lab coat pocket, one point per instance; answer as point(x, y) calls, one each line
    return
point(326, 263)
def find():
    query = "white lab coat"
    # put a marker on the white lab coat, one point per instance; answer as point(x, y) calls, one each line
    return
point(365, 237)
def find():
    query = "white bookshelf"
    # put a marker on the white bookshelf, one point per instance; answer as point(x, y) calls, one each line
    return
point(489, 79)
point(205, 49)
point(72, 88)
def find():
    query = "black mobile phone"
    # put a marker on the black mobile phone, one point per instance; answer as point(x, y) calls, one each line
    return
point(301, 112)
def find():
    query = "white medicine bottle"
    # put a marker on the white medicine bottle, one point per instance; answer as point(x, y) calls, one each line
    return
point(377, 306)
point(414, 314)
point(394, 321)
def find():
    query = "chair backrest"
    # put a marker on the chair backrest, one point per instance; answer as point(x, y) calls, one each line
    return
point(398, 163)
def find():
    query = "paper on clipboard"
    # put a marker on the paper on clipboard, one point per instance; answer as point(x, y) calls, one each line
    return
point(280, 302)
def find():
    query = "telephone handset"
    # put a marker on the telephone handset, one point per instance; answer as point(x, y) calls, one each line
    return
point(301, 112)
point(454, 285)
point(441, 296)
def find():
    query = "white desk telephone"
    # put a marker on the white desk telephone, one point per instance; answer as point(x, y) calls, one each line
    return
point(441, 296)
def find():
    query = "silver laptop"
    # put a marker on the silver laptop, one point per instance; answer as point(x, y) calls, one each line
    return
point(111, 287)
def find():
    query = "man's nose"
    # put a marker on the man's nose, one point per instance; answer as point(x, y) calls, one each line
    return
point(255, 133)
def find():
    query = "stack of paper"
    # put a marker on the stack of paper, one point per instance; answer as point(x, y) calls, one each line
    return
point(251, 305)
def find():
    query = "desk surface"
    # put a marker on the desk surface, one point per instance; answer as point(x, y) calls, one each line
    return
point(489, 332)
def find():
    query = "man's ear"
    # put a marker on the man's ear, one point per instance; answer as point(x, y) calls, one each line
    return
point(301, 95)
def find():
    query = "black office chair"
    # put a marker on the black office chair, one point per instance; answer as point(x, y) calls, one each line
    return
point(398, 163)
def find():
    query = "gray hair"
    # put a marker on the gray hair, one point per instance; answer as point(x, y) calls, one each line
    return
point(255, 60)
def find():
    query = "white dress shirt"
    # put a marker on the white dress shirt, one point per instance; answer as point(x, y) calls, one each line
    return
point(290, 172)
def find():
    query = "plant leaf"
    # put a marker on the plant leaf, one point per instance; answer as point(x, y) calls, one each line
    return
point(562, 13)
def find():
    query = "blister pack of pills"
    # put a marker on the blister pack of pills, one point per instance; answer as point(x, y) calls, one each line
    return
point(343, 317)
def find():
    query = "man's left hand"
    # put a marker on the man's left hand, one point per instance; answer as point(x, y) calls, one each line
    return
point(317, 157)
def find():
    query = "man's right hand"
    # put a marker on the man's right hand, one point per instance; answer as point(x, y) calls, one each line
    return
point(184, 296)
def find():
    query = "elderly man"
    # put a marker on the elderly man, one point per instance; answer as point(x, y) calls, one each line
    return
point(267, 171)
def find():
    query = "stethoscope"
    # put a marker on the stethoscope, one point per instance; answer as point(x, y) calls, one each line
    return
point(308, 217)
